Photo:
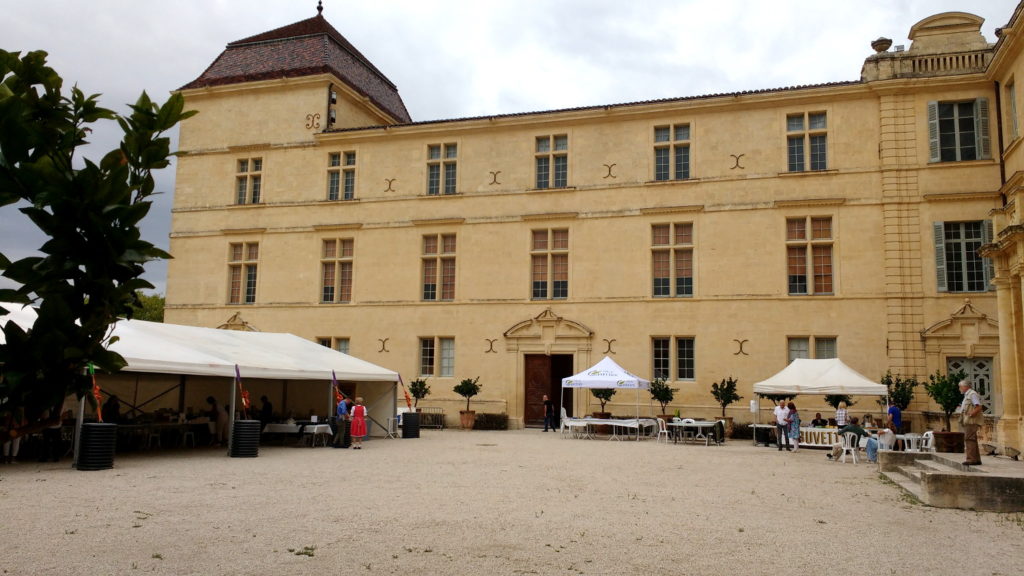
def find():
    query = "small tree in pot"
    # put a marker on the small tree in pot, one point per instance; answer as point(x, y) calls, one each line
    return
point(945, 392)
point(725, 394)
point(419, 390)
point(901, 391)
point(603, 395)
point(663, 394)
point(468, 388)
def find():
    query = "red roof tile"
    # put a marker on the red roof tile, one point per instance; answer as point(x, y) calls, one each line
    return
point(304, 48)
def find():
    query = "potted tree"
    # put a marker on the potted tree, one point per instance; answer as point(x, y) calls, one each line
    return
point(419, 390)
point(725, 394)
point(901, 391)
point(603, 395)
point(468, 388)
point(662, 394)
point(945, 392)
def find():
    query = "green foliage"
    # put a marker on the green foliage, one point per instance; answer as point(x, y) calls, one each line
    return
point(419, 390)
point(776, 397)
point(603, 395)
point(901, 390)
point(150, 307)
point(833, 400)
point(946, 392)
point(662, 393)
point(467, 389)
point(725, 392)
point(88, 273)
point(486, 421)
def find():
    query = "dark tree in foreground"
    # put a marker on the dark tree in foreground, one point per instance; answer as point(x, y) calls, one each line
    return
point(89, 269)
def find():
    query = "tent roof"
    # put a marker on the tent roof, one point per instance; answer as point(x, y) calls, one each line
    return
point(175, 349)
point(605, 374)
point(828, 376)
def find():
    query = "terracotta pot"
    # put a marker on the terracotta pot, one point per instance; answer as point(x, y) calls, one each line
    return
point(467, 418)
point(728, 426)
point(949, 442)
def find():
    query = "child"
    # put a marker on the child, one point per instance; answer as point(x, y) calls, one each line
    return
point(358, 423)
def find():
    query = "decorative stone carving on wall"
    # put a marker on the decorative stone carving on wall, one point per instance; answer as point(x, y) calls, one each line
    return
point(490, 345)
point(740, 350)
point(609, 167)
point(494, 178)
point(548, 330)
point(966, 333)
point(608, 346)
point(736, 162)
point(313, 121)
point(390, 181)
point(237, 323)
point(383, 345)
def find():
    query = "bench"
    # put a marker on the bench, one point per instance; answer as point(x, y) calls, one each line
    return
point(431, 418)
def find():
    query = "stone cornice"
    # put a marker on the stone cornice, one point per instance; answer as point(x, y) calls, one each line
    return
point(809, 202)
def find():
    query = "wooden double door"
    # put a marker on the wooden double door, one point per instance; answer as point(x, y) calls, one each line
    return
point(543, 375)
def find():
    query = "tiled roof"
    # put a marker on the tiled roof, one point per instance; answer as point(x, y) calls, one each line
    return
point(618, 105)
point(304, 48)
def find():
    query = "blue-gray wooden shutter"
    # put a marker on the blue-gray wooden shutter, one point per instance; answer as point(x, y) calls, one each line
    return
point(940, 255)
point(984, 146)
point(989, 265)
point(933, 131)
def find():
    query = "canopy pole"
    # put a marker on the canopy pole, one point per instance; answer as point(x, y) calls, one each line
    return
point(231, 417)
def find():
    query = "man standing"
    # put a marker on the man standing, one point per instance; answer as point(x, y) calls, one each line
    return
point(549, 414)
point(782, 425)
point(340, 420)
point(970, 420)
point(894, 421)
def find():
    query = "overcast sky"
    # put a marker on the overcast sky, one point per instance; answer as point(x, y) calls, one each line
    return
point(457, 58)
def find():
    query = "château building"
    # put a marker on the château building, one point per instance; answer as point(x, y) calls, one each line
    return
point(690, 238)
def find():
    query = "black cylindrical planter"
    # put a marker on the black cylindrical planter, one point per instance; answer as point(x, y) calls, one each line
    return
point(410, 425)
point(346, 439)
point(245, 439)
point(96, 447)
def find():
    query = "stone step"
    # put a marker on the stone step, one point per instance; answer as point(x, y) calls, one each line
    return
point(912, 473)
point(906, 484)
point(948, 464)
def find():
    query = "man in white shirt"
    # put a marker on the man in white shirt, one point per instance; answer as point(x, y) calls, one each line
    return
point(782, 425)
point(970, 419)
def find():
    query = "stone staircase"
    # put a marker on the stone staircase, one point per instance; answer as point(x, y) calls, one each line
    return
point(940, 480)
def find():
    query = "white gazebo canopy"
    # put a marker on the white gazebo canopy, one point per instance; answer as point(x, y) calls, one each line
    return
point(827, 376)
point(605, 374)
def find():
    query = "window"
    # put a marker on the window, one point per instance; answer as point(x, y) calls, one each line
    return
point(685, 365)
point(249, 181)
point(801, 346)
point(958, 131)
point(341, 176)
point(442, 169)
point(336, 270)
point(549, 264)
point(242, 259)
point(958, 267)
point(672, 259)
point(672, 152)
point(431, 364)
point(1011, 111)
point(809, 255)
point(807, 141)
point(336, 343)
point(552, 161)
point(439, 267)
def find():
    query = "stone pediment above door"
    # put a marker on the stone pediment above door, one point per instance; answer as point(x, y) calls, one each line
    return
point(547, 330)
point(966, 332)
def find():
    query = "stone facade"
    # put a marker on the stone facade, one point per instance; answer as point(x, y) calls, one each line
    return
point(701, 237)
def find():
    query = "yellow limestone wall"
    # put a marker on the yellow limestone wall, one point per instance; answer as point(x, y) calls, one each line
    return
point(879, 190)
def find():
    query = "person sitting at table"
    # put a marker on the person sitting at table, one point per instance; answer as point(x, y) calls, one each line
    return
point(818, 421)
point(266, 411)
point(112, 409)
point(853, 426)
point(868, 421)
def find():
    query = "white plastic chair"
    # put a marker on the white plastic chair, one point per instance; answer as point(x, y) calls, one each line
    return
point(686, 432)
point(662, 431)
point(928, 442)
point(886, 440)
point(850, 444)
